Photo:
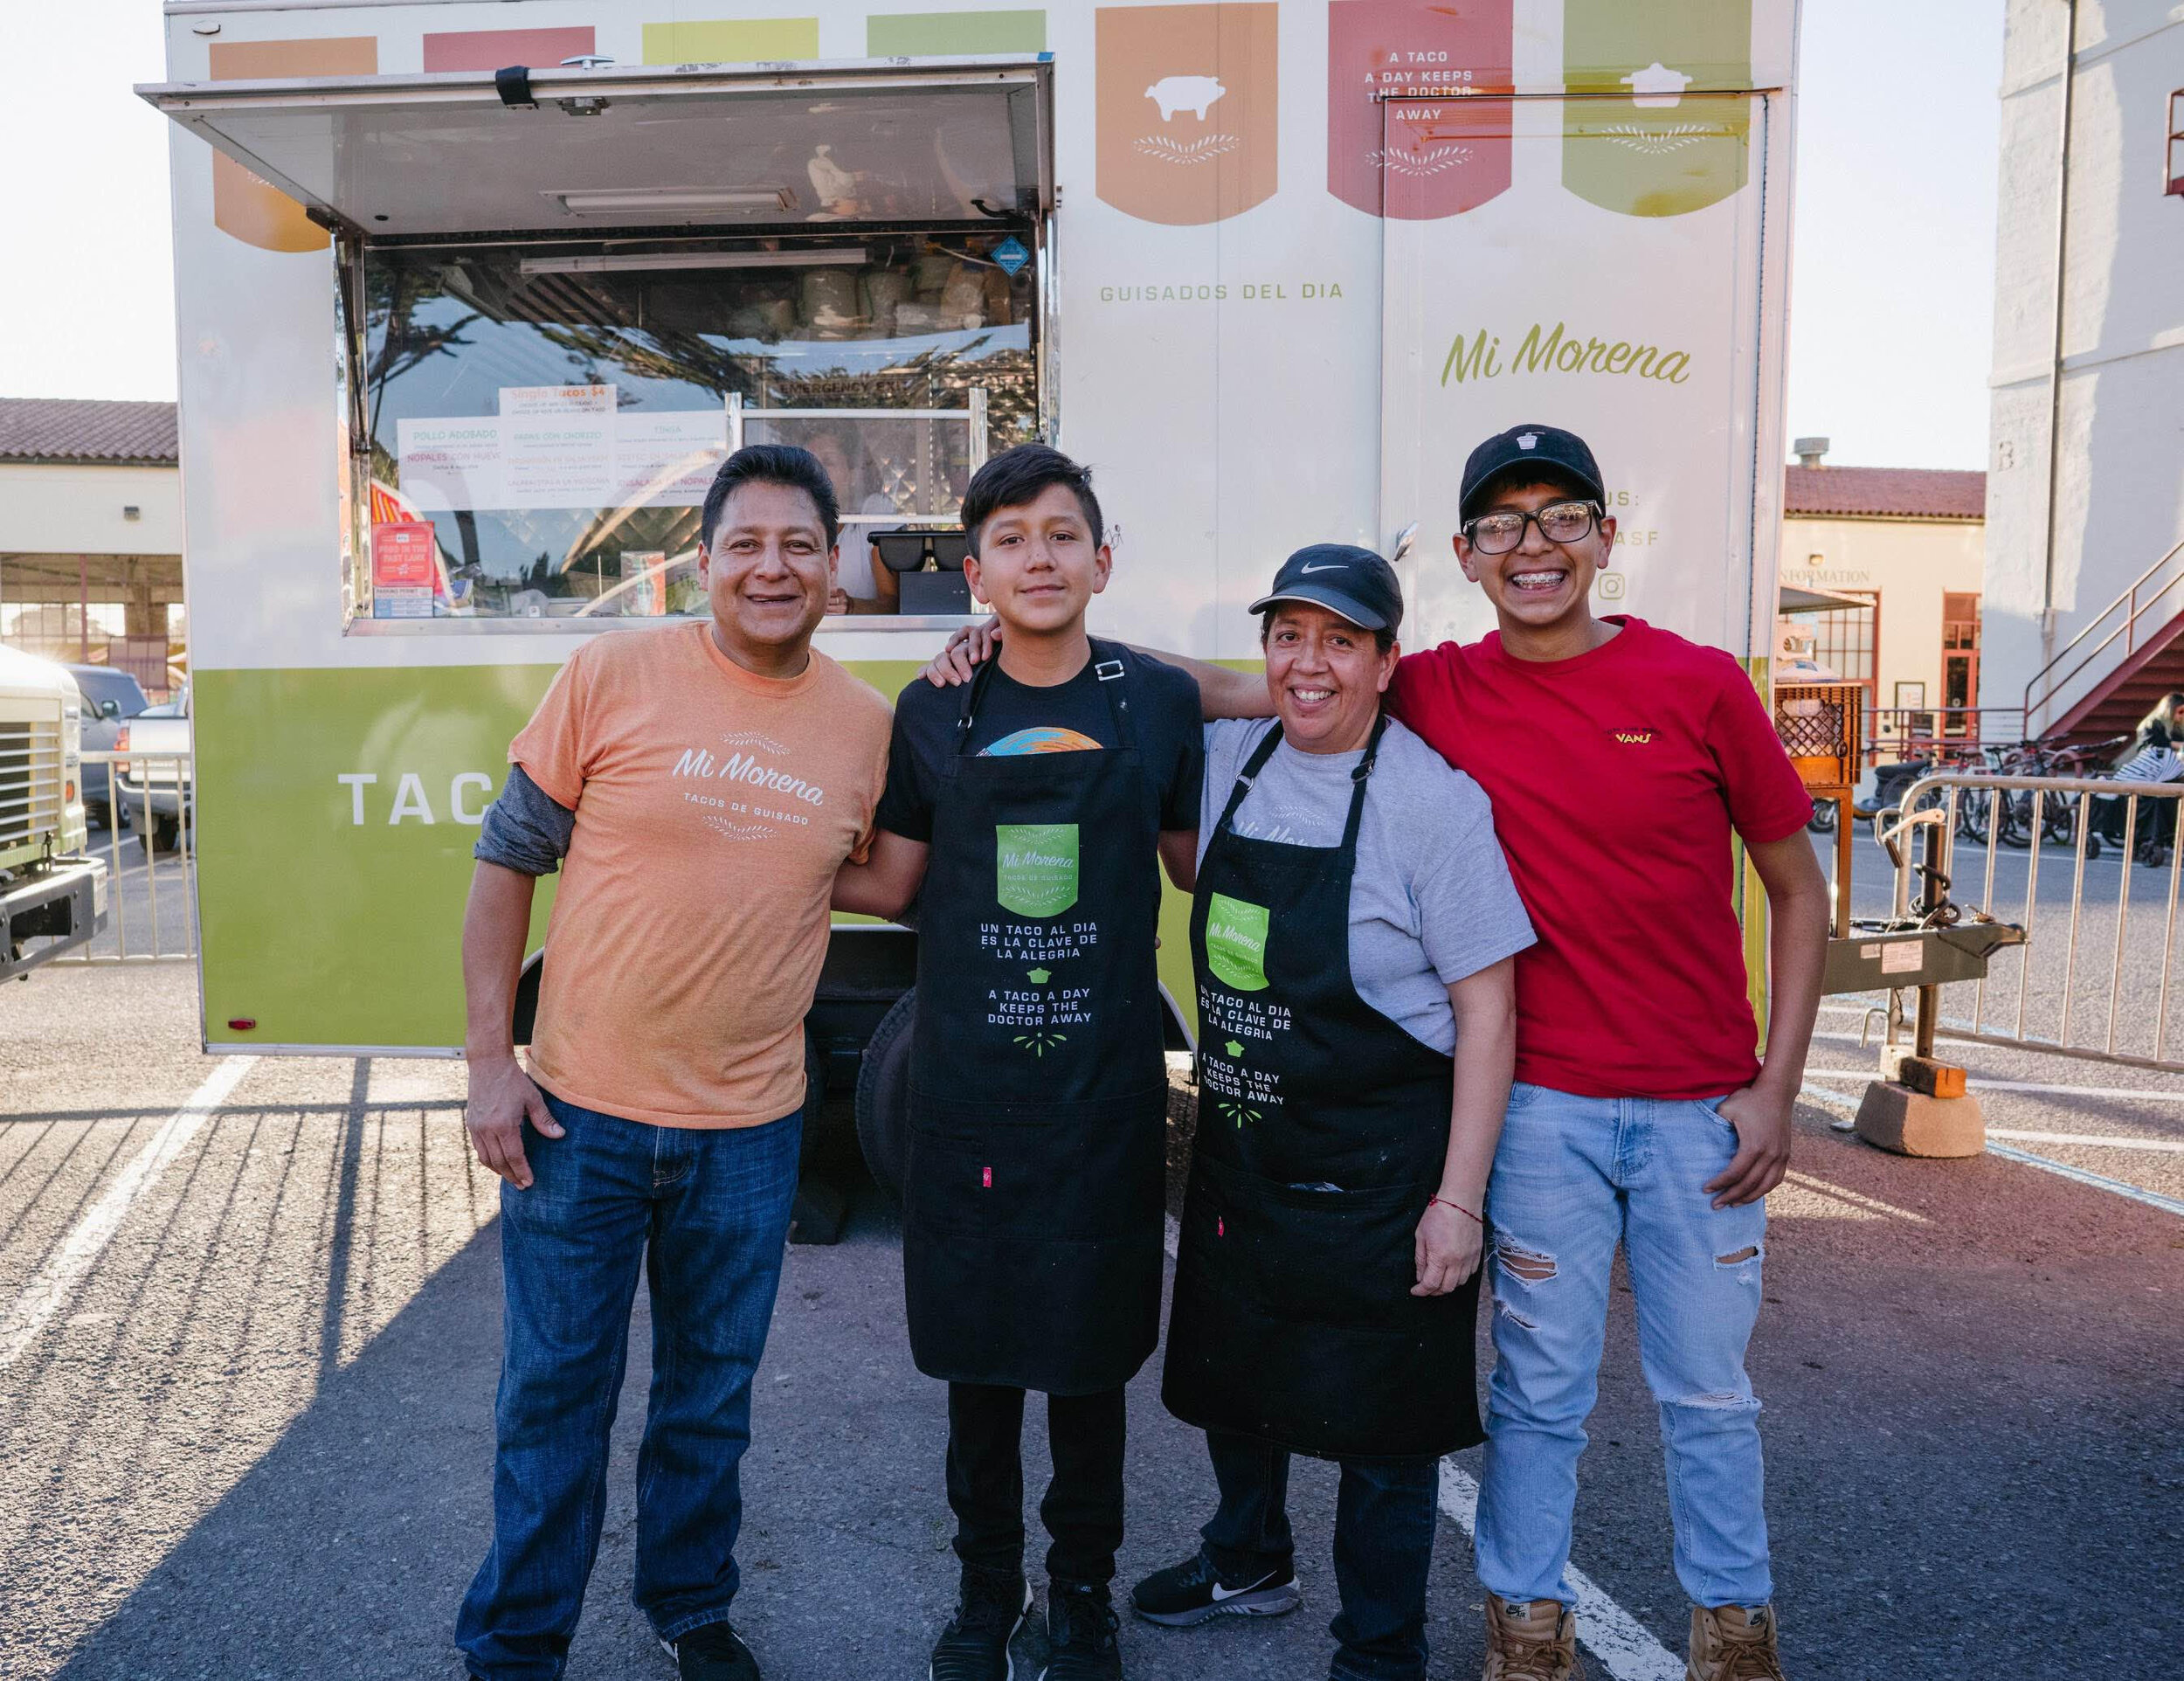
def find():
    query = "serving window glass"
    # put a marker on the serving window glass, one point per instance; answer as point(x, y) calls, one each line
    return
point(539, 421)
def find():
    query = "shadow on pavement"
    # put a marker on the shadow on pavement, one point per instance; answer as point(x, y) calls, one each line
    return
point(335, 1554)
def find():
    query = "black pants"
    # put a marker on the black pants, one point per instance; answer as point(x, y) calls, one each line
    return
point(1384, 1547)
point(1083, 1507)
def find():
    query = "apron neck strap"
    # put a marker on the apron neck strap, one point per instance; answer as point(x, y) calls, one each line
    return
point(1264, 751)
point(1253, 765)
point(1106, 666)
point(1357, 780)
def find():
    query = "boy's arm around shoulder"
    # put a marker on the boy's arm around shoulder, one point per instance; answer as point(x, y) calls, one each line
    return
point(888, 879)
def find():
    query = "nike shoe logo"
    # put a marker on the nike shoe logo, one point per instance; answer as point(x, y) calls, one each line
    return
point(1331, 566)
point(1221, 1593)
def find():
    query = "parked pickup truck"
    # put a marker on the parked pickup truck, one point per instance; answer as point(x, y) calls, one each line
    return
point(156, 788)
point(52, 898)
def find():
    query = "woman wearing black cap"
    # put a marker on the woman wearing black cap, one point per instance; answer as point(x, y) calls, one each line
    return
point(1352, 929)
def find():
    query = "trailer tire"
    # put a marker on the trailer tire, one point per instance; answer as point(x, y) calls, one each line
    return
point(883, 1096)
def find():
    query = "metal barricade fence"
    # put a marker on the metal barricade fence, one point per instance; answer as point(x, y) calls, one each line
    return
point(151, 863)
point(2014, 817)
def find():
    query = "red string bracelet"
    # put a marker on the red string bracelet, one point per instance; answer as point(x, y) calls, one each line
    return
point(1458, 1207)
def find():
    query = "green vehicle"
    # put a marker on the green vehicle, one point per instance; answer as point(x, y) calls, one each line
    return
point(52, 898)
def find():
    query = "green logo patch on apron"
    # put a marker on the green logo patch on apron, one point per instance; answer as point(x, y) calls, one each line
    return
point(1035, 872)
point(1236, 941)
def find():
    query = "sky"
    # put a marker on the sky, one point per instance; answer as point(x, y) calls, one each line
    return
point(1891, 287)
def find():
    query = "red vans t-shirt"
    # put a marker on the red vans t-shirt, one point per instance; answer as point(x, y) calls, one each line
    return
point(1616, 778)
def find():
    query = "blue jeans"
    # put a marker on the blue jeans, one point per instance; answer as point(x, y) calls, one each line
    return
point(1384, 1547)
point(1572, 1177)
point(706, 1213)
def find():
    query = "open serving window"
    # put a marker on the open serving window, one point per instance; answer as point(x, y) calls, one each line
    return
point(565, 294)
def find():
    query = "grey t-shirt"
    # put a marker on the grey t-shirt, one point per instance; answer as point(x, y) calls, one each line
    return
point(1431, 902)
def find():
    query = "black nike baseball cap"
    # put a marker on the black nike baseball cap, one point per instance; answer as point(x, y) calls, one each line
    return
point(1547, 452)
point(1353, 582)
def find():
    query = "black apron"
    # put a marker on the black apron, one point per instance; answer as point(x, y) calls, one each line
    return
point(1323, 1127)
point(1033, 1192)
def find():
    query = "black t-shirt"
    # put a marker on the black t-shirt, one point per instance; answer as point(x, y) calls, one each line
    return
point(1013, 717)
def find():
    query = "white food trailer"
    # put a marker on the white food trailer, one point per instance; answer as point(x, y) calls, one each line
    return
point(474, 295)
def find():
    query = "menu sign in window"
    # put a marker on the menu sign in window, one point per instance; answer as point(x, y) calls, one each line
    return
point(404, 569)
point(561, 446)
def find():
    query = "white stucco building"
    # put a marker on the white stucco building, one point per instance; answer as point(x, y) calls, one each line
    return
point(91, 534)
point(2092, 208)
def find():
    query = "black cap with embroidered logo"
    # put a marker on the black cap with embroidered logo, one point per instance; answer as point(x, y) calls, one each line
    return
point(1344, 579)
point(1548, 452)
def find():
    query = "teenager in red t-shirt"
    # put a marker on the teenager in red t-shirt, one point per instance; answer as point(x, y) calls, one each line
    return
point(1619, 759)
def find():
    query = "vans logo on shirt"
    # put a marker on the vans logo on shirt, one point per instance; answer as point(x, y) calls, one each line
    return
point(743, 767)
point(1633, 737)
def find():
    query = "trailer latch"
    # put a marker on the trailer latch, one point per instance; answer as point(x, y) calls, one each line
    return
point(513, 86)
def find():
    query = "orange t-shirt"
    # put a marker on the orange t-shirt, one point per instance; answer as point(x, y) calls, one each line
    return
point(713, 808)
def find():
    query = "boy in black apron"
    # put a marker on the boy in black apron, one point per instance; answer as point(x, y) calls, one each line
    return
point(1035, 804)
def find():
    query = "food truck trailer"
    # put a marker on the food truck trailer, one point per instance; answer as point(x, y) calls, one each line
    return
point(472, 297)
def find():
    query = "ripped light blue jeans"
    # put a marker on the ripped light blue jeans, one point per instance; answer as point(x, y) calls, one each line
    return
point(1573, 1178)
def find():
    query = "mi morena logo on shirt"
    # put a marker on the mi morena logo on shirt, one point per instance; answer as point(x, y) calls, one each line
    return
point(742, 767)
point(1633, 737)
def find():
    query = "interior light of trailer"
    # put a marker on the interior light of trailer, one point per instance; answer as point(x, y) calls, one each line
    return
point(833, 256)
point(671, 201)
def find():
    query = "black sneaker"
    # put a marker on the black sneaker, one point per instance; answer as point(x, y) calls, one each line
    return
point(1080, 1634)
point(711, 1652)
point(1193, 1591)
point(974, 1646)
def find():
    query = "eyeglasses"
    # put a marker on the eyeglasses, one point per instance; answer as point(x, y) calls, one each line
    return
point(1499, 532)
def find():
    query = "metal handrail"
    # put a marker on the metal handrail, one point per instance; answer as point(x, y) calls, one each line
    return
point(2129, 628)
point(1909, 816)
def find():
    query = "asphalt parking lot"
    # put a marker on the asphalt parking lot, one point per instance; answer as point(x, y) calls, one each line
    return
point(248, 1353)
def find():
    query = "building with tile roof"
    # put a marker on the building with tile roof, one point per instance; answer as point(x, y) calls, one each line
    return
point(91, 534)
point(86, 432)
point(1902, 550)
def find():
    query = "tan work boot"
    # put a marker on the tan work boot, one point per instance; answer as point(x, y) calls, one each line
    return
point(1733, 1643)
point(1537, 1642)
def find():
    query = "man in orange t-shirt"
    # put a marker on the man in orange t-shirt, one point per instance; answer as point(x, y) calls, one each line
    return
point(702, 784)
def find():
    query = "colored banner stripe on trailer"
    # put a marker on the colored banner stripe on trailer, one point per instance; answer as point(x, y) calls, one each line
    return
point(1188, 110)
point(243, 204)
point(942, 34)
point(495, 49)
point(1412, 131)
point(732, 40)
point(1659, 146)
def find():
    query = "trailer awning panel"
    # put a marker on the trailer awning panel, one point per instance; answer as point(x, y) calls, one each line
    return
point(707, 146)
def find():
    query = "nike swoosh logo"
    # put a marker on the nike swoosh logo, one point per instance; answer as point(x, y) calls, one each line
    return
point(1331, 566)
point(1221, 1593)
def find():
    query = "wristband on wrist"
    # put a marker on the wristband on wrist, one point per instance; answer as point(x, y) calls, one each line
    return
point(1458, 1207)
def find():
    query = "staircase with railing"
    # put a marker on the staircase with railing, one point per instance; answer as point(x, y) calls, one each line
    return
point(2109, 675)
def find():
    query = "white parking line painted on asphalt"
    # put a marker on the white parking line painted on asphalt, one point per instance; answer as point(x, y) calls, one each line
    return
point(1614, 1636)
point(1618, 1639)
point(2149, 1094)
point(2098, 1181)
point(56, 1281)
point(2102, 1141)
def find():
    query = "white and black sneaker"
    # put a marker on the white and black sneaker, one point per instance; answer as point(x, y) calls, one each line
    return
point(975, 1644)
point(1187, 1593)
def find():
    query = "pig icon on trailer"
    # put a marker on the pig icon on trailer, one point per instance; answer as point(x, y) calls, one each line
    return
point(1191, 93)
